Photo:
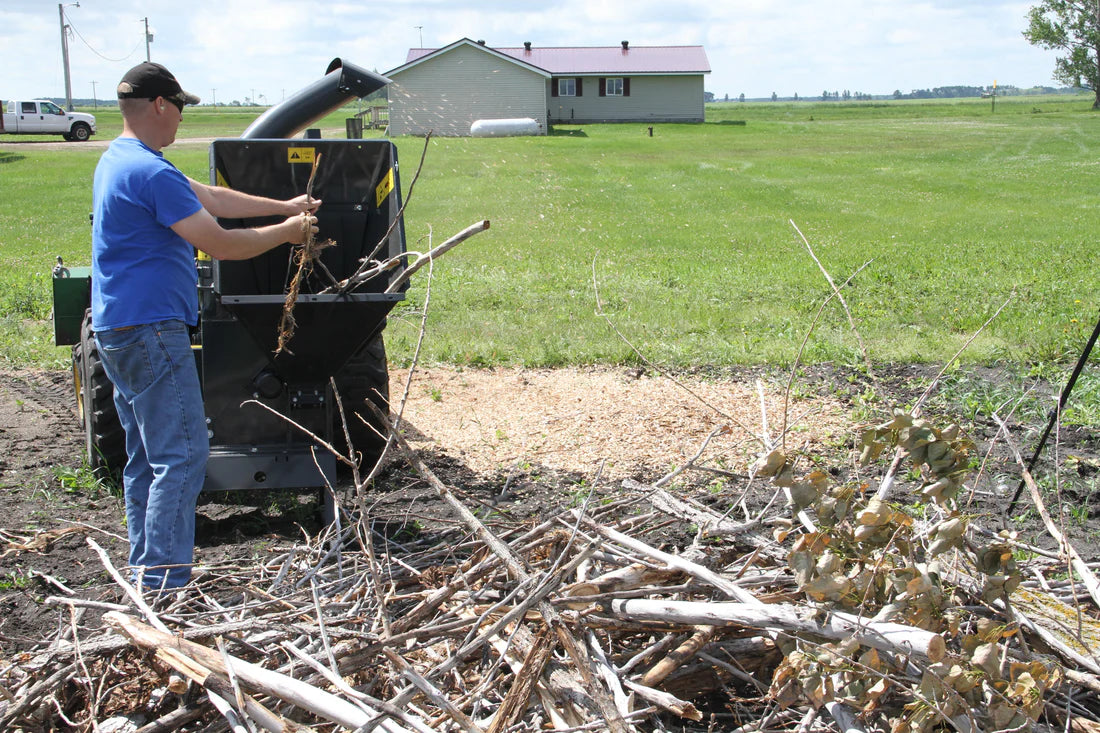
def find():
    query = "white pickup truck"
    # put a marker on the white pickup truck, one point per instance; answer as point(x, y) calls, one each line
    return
point(42, 117)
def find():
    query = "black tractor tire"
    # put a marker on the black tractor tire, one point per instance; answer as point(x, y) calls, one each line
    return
point(365, 377)
point(104, 438)
point(80, 132)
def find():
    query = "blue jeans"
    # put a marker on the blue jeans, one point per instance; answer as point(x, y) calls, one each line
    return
point(159, 403)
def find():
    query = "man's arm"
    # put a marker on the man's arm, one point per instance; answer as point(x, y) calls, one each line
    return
point(206, 234)
point(225, 202)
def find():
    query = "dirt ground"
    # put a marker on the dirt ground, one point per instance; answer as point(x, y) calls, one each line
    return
point(526, 442)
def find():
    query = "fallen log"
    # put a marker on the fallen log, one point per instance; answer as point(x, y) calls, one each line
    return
point(884, 636)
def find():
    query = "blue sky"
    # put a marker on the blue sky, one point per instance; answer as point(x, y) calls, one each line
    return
point(238, 49)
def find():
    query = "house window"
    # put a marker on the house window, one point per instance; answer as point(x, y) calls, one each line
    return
point(567, 87)
point(615, 86)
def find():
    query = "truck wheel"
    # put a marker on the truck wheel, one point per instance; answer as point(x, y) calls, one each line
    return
point(104, 438)
point(80, 132)
point(364, 377)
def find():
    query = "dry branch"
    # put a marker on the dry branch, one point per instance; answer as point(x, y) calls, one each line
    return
point(527, 676)
point(305, 256)
point(1076, 561)
point(437, 252)
point(285, 688)
point(678, 657)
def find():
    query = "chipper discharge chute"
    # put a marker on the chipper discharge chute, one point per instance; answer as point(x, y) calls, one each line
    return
point(247, 386)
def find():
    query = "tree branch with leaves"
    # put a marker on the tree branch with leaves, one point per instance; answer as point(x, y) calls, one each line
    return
point(1071, 26)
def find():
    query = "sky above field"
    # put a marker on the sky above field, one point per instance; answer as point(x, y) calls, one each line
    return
point(264, 50)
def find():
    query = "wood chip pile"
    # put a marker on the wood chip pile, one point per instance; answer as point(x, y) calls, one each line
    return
point(876, 606)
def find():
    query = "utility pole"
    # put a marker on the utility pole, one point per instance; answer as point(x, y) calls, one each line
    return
point(95, 102)
point(65, 55)
point(213, 99)
point(421, 29)
point(148, 37)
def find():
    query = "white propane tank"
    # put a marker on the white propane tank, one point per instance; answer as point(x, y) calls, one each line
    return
point(504, 128)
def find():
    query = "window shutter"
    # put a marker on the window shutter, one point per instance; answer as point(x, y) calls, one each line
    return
point(603, 86)
point(553, 87)
point(579, 86)
point(626, 86)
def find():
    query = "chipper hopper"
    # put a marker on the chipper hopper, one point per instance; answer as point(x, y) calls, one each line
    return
point(248, 388)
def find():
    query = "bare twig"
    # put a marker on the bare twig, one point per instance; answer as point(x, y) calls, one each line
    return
point(1076, 561)
point(802, 348)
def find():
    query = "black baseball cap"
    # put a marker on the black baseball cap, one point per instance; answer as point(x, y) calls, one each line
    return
point(149, 80)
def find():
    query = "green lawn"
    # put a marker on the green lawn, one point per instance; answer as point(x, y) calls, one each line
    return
point(688, 234)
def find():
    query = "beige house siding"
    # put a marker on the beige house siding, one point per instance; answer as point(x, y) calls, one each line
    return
point(652, 99)
point(447, 94)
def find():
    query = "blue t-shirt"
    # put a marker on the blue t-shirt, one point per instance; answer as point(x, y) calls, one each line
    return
point(142, 271)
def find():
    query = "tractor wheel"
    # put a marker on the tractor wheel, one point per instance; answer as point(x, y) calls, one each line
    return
point(80, 132)
point(364, 377)
point(104, 438)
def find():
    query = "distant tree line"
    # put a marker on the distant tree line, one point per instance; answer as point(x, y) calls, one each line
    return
point(846, 96)
point(1005, 90)
point(954, 92)
point(948, 92)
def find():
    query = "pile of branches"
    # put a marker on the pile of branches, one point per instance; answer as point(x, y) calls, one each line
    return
point(876, 602)
point(843, 605)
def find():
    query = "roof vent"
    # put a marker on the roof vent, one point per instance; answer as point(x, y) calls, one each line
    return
point(626, 45)
point(481, 42)
point(526, 45)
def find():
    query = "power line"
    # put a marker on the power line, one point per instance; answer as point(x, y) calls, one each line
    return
point(97, 53)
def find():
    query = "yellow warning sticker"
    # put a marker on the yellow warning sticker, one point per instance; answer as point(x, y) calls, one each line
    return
point(299, 155)
point(222, 183)
point(385, 187)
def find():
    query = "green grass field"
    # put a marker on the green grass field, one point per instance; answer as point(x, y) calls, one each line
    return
point(688, 234)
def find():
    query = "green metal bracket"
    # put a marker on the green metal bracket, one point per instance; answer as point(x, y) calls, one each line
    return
point(72, 296)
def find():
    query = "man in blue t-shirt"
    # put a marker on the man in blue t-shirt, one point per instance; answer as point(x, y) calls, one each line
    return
point(148, 219)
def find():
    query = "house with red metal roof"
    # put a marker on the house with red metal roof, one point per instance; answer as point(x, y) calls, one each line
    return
point(446, 90)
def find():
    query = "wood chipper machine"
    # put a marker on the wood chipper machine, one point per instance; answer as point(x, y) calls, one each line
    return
point(338, 334)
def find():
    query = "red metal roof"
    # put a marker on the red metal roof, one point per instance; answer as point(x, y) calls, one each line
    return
point(601, 59)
